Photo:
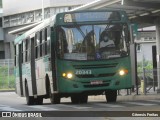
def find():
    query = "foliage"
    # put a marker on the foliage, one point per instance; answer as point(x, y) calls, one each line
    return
point(7, 78)
point(148, 66)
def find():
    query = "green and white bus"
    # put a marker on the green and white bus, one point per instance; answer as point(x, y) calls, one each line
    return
point(74, 54)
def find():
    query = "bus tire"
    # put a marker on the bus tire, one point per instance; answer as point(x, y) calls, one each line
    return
point(83, 98)
point(39, 101)
point(111, 95)
point(29, 99)
point(75, 99)
point(54, 98)
point(47, 86)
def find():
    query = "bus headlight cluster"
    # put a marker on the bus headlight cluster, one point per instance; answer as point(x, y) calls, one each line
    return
point(123, 72)
point(67, 75)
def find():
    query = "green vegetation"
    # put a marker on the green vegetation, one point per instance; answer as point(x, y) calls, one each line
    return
point(7, 78)
point(0, 3)
point(148, 66)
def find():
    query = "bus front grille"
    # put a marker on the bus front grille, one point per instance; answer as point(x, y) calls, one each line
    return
point(95, 66)
point(99, 75)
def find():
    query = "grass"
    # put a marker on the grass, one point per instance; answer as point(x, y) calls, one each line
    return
point(7, 89)
point(7, 82)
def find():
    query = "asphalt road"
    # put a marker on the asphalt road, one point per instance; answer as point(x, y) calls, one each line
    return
point(96, 108)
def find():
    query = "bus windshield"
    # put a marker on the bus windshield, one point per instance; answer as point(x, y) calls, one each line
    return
point(92, 42)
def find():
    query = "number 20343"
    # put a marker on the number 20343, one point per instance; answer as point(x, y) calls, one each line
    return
point(83, 72)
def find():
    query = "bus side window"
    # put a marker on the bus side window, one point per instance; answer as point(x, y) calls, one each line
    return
point(29, 50)
point(22, 51)
point(40, 44)
point(36, 44)
point(26, 48)
point(15, 55)
point(48, 40)
point(45, 40)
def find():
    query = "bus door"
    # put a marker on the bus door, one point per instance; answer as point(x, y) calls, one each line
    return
point(33, 73)
point(20, 57)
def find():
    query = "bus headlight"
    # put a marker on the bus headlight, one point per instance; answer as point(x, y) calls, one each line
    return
point(123, 72)
point(67, 75)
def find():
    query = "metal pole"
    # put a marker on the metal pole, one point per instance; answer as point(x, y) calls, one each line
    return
point(127, 92)
point(158, 52)
point(42, 10)
point(136, 75)
point(8, 74)
point(144, 88)
point(122, 2)
point(118, 92)
point(154, 70)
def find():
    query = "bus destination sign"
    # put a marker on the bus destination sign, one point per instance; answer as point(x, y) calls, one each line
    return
point(92, 16)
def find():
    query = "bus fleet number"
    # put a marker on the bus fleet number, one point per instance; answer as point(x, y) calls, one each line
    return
point(83, 72)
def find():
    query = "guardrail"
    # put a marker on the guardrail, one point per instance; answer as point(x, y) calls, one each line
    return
point(146, 83)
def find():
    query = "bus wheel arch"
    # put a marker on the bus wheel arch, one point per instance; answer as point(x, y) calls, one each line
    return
point(54, 98)
point(26, 86)
point(29, 99)
point(47, 84)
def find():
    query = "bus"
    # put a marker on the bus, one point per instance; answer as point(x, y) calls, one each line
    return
point(74, 54)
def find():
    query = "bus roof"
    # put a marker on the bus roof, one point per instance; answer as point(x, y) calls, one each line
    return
point(50, 21)
point(45, 23)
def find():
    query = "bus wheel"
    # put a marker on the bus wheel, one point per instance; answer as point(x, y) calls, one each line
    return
point(29, 99)
point(39, 100)
point(83, 98)
point(75, 99)
point(111, 95)
point(54, 98)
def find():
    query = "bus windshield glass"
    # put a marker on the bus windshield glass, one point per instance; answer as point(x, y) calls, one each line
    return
point(92, 42)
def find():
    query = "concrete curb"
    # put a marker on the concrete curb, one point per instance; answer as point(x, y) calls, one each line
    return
point(7, 90)
point(138, 97)
point(127, 97)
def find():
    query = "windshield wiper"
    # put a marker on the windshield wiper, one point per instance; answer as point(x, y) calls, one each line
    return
point(79, 29)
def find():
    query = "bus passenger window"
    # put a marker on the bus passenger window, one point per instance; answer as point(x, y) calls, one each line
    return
point(15, 53)
point(36, 44)
point(45, 44)
point(22, 52)
point(28, 51)
point(26, 48)
point(48, 40)
point(40, 44)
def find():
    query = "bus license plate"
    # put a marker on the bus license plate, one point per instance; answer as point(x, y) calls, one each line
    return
point(97, 82)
